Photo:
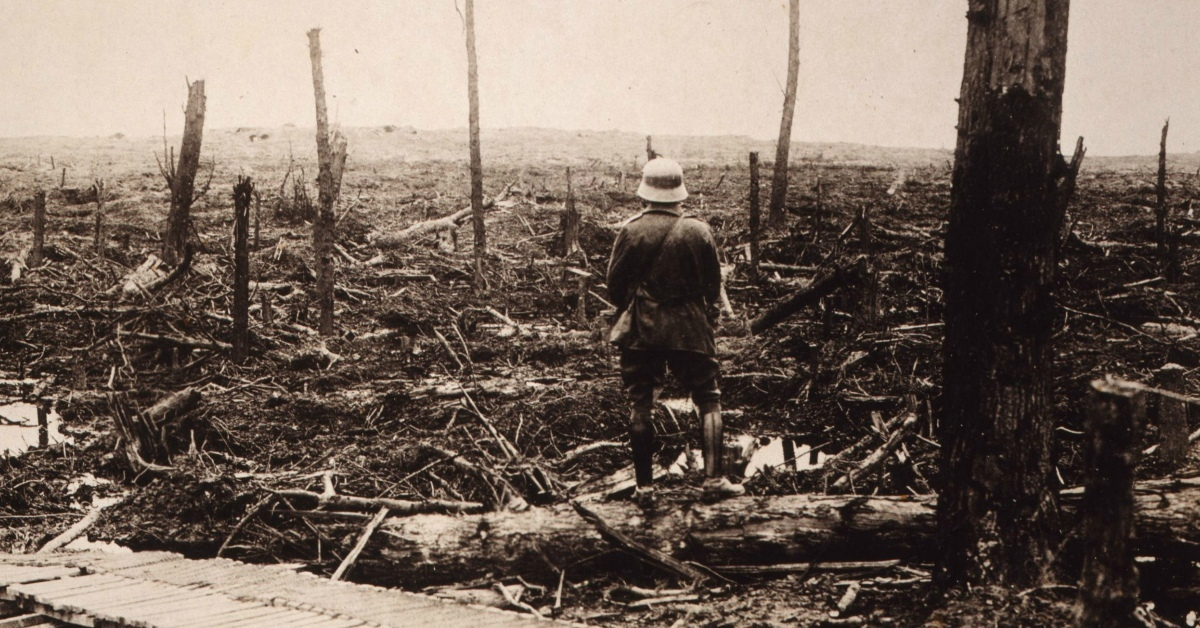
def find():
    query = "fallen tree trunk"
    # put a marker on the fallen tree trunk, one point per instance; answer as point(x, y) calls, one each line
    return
point(817, 290)
point(742, 531)
point(453, 221)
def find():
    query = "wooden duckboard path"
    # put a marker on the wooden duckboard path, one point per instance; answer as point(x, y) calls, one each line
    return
point(153, 589)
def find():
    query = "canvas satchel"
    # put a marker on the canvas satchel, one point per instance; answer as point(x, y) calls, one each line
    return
point(622, 329)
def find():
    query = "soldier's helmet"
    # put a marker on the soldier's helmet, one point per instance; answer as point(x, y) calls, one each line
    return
point(662, 181)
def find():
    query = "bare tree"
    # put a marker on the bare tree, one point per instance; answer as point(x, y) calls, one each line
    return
point(755, 226)
point(242, 193)
point(182, 178)
point(476, 161)
point(323, 224)
point(1161, 210)
point(39, 228)
point(569, 222)
point(779, 183)
point(997, 514)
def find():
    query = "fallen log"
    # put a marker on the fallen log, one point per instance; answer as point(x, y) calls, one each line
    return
point(877, 457)
point(453, 221)
point(396, 506)
point(820, 288)
point(743, 531)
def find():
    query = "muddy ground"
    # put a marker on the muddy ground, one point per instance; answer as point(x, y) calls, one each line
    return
point(371, 407)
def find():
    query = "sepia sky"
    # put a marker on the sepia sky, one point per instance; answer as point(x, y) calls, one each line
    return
point(872, 71)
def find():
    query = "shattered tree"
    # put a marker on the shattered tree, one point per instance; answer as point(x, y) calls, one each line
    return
point(779, 183)
point(997, 513)
point(323, 224)
point(476, 161)
point(182, 178)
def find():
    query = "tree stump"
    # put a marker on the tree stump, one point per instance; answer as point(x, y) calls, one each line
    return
point(1108, 593)
point(1172, 417)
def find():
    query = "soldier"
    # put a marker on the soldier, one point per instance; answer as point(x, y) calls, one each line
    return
point(665, 278)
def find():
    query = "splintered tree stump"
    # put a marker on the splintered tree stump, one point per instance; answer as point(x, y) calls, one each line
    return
point(1108, 593)
point(569, 240)
point(143, 434)
point(39, 229)
point(755, 216)
point(1161, 210)
point(242, 193)
point(98, 237)
point(1172, 417)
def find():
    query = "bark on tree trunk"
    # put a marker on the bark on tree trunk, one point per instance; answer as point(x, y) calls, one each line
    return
point(476, 161)
point(323, 224)
point(242, 193)
point(1108, 593)
point(997, 514)
point(183, 186)
point(779, 183)
point(743, 531)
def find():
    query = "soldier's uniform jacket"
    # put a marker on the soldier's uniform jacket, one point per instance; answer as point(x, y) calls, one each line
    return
point(677, 295)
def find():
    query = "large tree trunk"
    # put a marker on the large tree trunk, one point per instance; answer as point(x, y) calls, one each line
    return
point(997, 514)
point(743, 531)
point(323, 225)
point(183, 187)
point(476, 161)
point(779, 183)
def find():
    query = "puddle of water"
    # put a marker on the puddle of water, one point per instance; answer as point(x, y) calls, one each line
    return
point(756, 454)
point(785, 454)
point(26, 425)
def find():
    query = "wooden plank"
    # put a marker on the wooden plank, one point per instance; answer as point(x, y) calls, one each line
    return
point(32, 620)
point(310, 620)
point(125, 612)
point(20, 575)
point(130, 611)
point(52, 588)
point(233, 618)
point(80, 601)
point(220, 617)
point(110, 610)
point(184, 616)
point(116, 563)
point(134, 589)
point(75, 619)
point(196, 599)
point(278, 617)
point(176, 572)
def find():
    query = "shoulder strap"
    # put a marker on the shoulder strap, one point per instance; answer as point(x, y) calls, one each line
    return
point(654, 261)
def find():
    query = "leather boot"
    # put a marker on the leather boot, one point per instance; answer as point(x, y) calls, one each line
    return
point(716, 486)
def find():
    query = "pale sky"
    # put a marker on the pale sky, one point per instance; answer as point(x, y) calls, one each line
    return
point(880, 72)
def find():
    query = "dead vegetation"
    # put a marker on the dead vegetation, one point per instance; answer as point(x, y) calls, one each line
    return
point(434, 398)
